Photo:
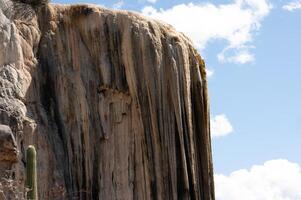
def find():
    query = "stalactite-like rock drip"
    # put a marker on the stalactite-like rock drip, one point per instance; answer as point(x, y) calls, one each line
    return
point(116, 104)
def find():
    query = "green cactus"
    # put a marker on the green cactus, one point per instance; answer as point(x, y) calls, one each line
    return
point(31, 173)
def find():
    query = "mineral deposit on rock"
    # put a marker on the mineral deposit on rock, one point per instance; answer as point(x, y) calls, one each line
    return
point(115, 104)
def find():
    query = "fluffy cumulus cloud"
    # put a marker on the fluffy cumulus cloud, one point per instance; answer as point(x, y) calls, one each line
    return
point(274, 180)
point(236, 23)
point(292, 6)
point(220, 126)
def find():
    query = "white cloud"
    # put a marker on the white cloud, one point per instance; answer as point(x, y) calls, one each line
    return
point(241, 57)
point(118, 5)
point(152, 1)
point(292, 6)
point(220, 126)
point(209, 72)
point(235, 23)
point(274, 180)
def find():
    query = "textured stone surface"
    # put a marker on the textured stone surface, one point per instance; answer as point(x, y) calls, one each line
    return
point(8, 146)
point(116, 104)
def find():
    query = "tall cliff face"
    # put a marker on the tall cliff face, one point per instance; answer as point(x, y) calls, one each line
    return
point(116, 104)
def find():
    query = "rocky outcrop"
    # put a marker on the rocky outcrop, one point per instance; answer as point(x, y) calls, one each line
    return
point(8, 146)
point(116, 104)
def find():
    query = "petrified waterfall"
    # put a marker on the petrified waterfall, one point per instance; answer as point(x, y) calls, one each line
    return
point(115, 104)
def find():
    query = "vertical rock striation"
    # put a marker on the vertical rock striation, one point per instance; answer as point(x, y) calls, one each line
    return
point(115, 103)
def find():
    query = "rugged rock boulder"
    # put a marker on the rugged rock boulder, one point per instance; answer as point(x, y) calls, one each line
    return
point(115, 103)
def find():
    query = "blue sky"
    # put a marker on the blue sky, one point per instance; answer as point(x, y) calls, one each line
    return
point(252, 49)
point(261, 99)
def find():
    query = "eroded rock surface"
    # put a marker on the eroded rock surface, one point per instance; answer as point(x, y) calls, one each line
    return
point(116, 104)
point(8, 146)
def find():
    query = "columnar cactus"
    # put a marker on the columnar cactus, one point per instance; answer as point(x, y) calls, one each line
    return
point(31, 173)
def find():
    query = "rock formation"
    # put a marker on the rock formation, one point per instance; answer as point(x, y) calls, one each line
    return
point(8, 146)
point(115, 104)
